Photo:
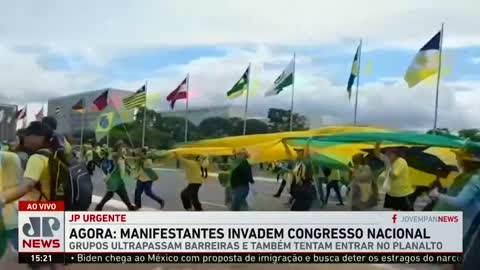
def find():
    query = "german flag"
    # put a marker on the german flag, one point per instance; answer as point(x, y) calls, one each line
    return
point(101, 102)
point(79, 106)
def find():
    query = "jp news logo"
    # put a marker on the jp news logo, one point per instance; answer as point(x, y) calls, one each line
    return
point(41, 227)
point(42, 233)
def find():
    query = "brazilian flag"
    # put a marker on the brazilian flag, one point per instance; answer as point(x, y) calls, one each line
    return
point(104, 124)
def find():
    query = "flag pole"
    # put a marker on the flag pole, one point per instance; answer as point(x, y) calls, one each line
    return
point(358, 82)
point(186, 107)
point(293, 90)
point(438, 80)
point(246, 101)
point(126, 130)
point(82, 128)
point(144, 116)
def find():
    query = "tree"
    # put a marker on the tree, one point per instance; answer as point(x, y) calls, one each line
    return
point(254, 126)
point(237, 126)
point(439, 131)
point(280, 120)
point(153, 137)
point(215, 127)
point(468, 133)
point(175, 126)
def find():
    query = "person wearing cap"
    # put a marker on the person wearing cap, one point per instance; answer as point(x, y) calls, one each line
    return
point(36, 184)
point(467, 197)
point(240, 179)
point(400, 190)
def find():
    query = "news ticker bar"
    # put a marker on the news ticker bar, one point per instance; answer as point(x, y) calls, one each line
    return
point(225, 258)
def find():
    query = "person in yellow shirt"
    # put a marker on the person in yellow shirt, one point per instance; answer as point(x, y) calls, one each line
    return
point(189, 194)
point(145, 178)
point(204, 162)
point(10, 174)
point(36, 178)
point(399, 188)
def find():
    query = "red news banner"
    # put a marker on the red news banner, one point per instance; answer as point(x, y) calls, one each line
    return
point(47, 234)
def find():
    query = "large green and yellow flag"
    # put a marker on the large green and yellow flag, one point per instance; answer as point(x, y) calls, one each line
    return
point(241, 86)
point(104, 124)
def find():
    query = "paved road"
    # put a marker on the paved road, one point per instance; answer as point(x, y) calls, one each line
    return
point(212, 196)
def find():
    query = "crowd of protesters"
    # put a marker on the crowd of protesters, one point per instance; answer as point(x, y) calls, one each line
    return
point(25, 173)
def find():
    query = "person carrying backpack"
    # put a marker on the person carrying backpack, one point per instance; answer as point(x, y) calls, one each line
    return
point(115, 173)
point(48, 175)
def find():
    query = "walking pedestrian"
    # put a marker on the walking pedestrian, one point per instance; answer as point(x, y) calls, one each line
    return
point(189, 194)
point(115, 174)
point(364, 191)
point(204, 166)
point(286, 175)
point(399, 188)
point(333, 183)
point(240, 179)
point(304, 192)
point(145, 178)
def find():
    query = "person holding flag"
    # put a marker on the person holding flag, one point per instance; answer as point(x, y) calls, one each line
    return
point(115, 179)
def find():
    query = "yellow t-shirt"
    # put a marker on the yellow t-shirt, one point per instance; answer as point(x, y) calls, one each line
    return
point(299, 171)
point(142, 176)
point(10, 174)
point(192, 171)
point(37, 170)
point(89, 155)
point(400, 184)
point(335, 175)
point(68, 148)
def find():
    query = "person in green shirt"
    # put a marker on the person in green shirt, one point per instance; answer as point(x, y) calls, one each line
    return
point(115, 180)
point(240, 179)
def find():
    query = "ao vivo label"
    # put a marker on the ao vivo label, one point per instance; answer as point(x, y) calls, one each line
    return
point(41, 226)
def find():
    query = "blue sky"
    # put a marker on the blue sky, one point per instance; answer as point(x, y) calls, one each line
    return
point(384, 64)
point(53, 48)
